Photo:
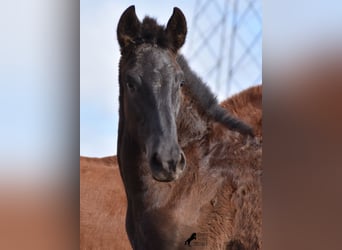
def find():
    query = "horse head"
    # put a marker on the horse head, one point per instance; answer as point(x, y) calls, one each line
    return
point(150, 82)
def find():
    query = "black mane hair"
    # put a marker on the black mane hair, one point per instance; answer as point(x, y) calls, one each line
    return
point(207, 101)
point(152, 33)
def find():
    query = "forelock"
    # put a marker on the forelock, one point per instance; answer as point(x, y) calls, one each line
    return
point(153, 33)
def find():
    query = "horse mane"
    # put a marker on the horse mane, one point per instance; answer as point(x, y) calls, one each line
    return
point(207, 101)
point(152, 33)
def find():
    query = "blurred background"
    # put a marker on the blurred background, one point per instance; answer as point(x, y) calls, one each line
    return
point(223, 46)
point(40, 46)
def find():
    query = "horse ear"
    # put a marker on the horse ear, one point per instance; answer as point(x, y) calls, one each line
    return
point(176, 29)
point(128, 27)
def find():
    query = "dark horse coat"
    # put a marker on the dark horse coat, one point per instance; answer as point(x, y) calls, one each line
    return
point(183, 170)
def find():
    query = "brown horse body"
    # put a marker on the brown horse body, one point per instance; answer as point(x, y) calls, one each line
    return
point(102, 205)
point(103, 199)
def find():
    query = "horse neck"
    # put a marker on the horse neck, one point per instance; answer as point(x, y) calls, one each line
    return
point(192, 123)
point(142, 191)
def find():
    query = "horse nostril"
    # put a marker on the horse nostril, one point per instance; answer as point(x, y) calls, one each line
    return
point(172, 165)
point(155, 159)
point(177, 162)
point(168, 162)
point(182, 161)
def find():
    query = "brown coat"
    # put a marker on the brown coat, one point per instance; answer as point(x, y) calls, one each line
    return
point(233, 193)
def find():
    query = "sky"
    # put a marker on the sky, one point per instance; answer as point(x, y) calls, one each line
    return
point(99, 56)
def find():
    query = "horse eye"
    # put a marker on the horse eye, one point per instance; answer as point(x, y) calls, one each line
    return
point(130, 86)
point(182, 83)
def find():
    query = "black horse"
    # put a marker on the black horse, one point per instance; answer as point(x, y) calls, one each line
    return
point(165, 111)
point(191, 238)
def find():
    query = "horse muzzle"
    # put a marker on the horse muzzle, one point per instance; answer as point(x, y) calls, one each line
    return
point(167, 165)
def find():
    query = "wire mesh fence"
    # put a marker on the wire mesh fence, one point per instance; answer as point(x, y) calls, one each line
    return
point(225, 41)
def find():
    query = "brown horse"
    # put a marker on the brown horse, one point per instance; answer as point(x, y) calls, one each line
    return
point(247, 106)
point(103, 199)
point(182, 169)
point(102, 205)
